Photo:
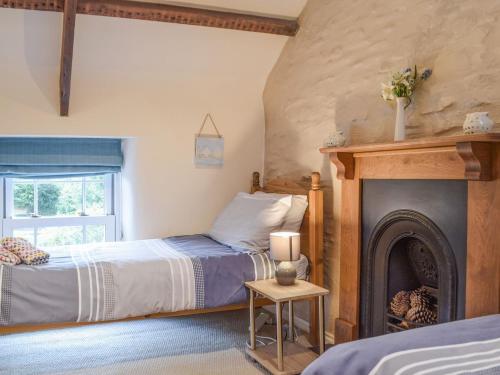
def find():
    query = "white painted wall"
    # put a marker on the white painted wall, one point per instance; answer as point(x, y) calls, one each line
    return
point(152, 83)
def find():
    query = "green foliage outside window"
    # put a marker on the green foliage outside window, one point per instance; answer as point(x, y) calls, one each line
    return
point(48, 197)
point(61, 198)
point(24, 199)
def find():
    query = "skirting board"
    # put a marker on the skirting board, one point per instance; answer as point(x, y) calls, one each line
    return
point(303, 325)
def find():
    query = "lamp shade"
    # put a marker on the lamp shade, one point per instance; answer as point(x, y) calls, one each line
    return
point(285, 246)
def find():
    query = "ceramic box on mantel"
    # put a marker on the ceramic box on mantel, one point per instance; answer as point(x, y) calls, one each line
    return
point(336, 139)
point(478, 122)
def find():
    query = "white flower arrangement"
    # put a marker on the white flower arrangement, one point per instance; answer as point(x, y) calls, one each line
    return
point(404, 83)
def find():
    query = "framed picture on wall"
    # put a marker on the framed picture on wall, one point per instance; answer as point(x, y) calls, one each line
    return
point(209, 149)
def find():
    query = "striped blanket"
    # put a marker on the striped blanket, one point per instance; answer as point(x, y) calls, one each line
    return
point(469, 346)
point(109, 281)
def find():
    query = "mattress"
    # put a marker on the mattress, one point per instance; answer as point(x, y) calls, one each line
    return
point(116, 280)
point(470, 346)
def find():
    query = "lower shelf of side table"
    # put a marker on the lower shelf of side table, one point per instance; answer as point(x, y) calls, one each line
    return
point(295, 358)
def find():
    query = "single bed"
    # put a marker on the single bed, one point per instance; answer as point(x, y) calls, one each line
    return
point(111, 281)
point(470, 346)
point(173, 276)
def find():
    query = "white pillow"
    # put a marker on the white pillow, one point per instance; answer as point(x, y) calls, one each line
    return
point(294, 217)
point(247, 221)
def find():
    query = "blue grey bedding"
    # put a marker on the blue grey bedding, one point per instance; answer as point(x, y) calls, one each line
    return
point(469, 346)
point(221, 272)
point(116, 280)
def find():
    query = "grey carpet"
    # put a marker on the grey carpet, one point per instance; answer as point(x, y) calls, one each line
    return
point(202, 344)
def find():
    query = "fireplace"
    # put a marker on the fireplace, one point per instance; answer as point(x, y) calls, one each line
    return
point(453, 185)
point(406, 251)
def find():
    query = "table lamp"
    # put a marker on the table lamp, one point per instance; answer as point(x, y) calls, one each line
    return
point(285, 248)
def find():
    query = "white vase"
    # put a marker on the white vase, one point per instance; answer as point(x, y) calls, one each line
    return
point(400, 127)
point(478, 122)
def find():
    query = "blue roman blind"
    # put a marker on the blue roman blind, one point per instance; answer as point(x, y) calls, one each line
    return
point(56, 157)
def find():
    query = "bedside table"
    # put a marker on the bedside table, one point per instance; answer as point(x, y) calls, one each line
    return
point(288, 358)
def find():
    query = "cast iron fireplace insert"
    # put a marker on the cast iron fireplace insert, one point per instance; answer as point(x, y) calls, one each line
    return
point(413, 239)
point(408, 251)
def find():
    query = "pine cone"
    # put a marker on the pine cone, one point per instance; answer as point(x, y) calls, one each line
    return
point(400, 304)
point(421, 315)
point(404, 324)
point(420, 298)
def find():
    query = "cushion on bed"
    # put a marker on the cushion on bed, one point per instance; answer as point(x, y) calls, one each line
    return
point(28, 253)
point(6, 257)
point(246, 222)
point(295, 215)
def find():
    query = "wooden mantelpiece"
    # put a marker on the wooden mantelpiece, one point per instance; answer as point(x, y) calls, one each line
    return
point(474, 158)
point(469, 156)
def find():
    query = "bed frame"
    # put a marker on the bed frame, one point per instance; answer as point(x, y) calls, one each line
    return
point(311, 231)
point(311, 246)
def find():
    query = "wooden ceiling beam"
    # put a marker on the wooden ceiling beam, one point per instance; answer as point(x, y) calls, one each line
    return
point(48, 5)
point(166, 13)
point(68, 37)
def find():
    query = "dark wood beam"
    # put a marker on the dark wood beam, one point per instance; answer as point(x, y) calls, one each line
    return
point(68, 37)
point(48, 5)
point(166, 13)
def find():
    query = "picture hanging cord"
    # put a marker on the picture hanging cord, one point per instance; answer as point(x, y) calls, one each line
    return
point(209, 117)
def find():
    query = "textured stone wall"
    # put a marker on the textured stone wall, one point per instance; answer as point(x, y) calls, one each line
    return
point(328, 77)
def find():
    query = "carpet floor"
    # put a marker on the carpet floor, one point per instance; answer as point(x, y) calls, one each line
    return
point(202, 344)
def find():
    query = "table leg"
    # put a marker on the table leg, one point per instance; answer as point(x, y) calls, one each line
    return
point(321, 324)
point(252, 320)
point(290, 321)
point(279, 335)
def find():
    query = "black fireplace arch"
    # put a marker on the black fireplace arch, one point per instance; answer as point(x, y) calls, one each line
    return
point(415, 230)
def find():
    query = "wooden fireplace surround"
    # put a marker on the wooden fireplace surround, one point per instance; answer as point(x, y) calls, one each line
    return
point(475, 158)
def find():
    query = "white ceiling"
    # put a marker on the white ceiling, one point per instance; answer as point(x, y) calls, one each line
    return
point(283, 8)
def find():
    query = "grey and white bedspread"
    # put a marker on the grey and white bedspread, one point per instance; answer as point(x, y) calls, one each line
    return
point(117, 280)
point(469, 346)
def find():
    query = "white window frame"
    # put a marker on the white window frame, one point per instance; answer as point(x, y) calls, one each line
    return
point(111, 219)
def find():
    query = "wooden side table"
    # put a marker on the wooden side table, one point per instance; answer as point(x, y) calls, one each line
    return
point(289, 358)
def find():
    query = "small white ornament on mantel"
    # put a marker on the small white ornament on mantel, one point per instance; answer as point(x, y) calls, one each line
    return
point(478, 122)
point(336, 139)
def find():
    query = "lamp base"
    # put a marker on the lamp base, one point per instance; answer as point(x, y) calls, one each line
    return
point(286, 273)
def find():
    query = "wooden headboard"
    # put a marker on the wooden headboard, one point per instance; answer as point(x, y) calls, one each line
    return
point(311, 231)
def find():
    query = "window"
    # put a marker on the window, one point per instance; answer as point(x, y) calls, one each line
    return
point(61, 211)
